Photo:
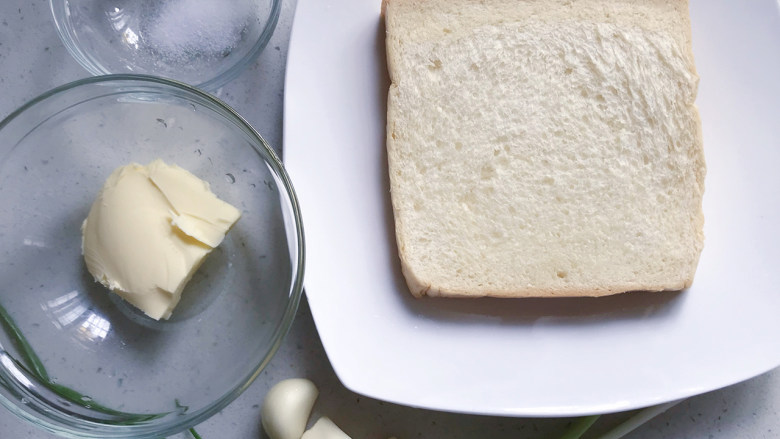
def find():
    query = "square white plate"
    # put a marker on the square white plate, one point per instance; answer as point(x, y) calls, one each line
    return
point(555, 357)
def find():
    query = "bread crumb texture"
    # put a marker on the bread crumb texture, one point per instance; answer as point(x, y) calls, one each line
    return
point(544, 148)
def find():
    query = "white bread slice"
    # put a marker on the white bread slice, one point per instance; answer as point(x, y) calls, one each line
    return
point(544, 148)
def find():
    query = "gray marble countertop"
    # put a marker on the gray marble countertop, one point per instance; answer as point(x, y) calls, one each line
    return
point(33, 60)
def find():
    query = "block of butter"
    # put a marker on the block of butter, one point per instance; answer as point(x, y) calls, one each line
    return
point(149, 230)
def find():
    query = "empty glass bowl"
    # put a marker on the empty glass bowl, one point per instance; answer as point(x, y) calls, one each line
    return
point(74, 358)
point(205, 43)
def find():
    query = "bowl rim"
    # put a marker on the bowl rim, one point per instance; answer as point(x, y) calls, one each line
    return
point(62, 423)
point(61, 17)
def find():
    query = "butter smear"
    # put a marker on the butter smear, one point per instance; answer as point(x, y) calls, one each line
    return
point(149, 230)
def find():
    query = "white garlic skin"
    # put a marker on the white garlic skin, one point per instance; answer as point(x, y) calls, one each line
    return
point(324, 428)
point(287, 407)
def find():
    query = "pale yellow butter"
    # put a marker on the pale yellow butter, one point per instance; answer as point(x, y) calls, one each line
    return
point(149, 230)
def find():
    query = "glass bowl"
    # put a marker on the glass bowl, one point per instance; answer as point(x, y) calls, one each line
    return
point(205, 43)
point(75, 359)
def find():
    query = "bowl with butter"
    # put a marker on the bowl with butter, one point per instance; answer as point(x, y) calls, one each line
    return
point(151, 257)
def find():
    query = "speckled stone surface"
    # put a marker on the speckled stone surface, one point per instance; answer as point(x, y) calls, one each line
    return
point(33, 60)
